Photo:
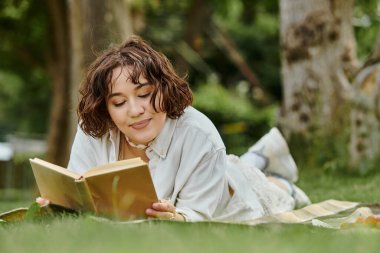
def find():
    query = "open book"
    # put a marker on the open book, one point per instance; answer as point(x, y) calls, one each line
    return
point(121, 190)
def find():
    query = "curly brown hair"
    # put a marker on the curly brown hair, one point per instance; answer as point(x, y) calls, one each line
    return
point(144, 61)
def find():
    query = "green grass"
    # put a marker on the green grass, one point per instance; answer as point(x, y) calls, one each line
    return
point(321, 186)
point(84, 234)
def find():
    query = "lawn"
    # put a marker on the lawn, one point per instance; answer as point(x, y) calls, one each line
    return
point(85, 234)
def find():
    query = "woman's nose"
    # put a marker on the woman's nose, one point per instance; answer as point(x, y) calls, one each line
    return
point(135, 108)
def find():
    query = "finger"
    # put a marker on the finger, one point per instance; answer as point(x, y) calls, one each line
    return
point(42, 202)
point(159, 215)
point(163, 207)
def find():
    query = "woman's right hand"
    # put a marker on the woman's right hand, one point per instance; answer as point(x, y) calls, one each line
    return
point(42, 202)
point(163, 209)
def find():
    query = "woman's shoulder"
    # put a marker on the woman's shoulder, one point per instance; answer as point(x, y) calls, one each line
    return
point(88, 151)
point(195, 118)
point(86, 138)
point(196, 123)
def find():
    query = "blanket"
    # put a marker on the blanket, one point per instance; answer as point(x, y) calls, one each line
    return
point(330, 213)
point(308, 213)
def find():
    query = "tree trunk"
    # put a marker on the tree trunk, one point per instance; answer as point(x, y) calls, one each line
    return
point(365, 118)
point(58, 62)
point(122, 18)
point(197, 14)
point(318, 60)
point(365, 114)
point(77, 59)
point(94, 26)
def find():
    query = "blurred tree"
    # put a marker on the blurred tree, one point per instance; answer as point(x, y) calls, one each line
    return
point(53, 44)
point(366, 24)
point(328, 91)
point(253, 28)
point(35, 55)
point(58, 69)
point(318, 61)
point(227, 39)
point(365, 113)
point(365, 119)
point(24, 89)
point(93, 26)
point(73, 32)
point(197, 15)
point(186, 32)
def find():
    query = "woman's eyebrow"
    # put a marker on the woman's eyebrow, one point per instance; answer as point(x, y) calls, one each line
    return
point(114, 95)
point(140, 85)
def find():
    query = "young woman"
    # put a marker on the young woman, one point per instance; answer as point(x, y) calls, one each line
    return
point(134, 104)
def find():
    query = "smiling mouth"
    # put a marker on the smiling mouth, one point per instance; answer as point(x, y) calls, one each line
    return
point(140, 124)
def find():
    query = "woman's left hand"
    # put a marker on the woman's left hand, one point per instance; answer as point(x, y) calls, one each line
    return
point(164, 210)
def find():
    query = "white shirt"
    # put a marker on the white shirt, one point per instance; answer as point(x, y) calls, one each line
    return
point(189, 167)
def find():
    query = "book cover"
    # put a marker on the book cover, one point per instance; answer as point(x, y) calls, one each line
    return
point(121, 190)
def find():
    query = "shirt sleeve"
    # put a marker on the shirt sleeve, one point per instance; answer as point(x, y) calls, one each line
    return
point(202, 173)
point(83, 153)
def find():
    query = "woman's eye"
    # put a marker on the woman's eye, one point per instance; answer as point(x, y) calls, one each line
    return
point(145, 95)
point(119, 104)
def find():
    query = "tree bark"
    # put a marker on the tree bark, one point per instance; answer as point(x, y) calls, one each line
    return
point(58, 62)
point(94, 26)
point(365, 114)
point(122, 18)
point(365, 118)
point(77, 58)
point(374, 58)
point(197, 14)
point(318, 60)
point(227, 44)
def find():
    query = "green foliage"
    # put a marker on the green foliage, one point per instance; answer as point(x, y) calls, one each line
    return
point(330, 155)
point(33, 211)
point(24, 89)
point(319, 153)
point(322, 184)
point(238, 121)
point(257, 38)
point(25, 103)
point(366, 25)
point(252, 25)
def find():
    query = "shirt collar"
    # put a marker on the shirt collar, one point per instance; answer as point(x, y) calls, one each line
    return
point(114, 134)
point(162, 142)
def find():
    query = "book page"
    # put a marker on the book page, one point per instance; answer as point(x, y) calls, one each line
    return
point(54, 167)
point(115, 166)
point(123, 194)
point(57, 184)
point(85, 194)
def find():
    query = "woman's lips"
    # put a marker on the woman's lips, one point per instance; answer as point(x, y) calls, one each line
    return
point(140, 124)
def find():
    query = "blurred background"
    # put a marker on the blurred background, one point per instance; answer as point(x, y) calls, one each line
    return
point(308, 67)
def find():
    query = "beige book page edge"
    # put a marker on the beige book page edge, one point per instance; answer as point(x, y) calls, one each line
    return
point(85, 194)
point(115, 166)
point(56, 168)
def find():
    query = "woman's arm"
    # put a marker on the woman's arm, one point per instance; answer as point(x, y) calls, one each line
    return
point(88, 152)
point(201, 185)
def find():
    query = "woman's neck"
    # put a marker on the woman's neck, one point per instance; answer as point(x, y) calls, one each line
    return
point(128, 151)
point(137, 145)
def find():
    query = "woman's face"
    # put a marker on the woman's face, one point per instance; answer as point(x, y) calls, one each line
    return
point(130, 109)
